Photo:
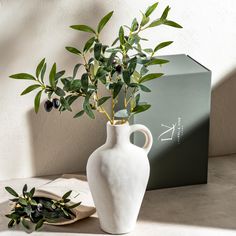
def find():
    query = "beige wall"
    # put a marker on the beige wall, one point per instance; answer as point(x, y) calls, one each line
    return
point(30, 30)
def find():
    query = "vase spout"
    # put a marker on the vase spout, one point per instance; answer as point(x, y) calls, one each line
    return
point(117, 134)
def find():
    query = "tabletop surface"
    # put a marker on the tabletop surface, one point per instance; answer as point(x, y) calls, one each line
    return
point(193, 210)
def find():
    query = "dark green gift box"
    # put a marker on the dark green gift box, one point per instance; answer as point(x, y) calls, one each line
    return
point(179, 122)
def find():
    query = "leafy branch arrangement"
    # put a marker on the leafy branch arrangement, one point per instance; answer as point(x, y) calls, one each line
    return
point(123, 68)
point(38, 209)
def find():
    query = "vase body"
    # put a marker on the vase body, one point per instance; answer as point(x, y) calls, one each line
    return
point(118, 173)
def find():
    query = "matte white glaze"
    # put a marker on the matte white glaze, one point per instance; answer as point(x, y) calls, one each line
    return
point(118, 173)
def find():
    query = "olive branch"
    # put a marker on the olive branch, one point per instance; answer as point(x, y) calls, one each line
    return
point(38, 210)
point(122, 68)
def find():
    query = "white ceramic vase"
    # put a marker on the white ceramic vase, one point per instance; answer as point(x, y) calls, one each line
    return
point(118, 173)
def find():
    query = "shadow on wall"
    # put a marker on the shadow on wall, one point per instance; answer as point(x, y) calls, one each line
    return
point(223, 117)
point(30, 26)
point(61, 144)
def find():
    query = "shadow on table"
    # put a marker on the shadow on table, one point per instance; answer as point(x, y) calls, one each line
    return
point(209, 205)
point(212, 205)
point(86, 226)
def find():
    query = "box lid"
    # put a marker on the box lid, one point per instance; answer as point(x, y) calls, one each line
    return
point(179, 64)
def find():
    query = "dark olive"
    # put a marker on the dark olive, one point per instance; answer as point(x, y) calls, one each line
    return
point(56, 103)
point(39, 207)
point(48, 106)
point(118, 69)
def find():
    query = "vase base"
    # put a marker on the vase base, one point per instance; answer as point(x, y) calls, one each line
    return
point(116, 232)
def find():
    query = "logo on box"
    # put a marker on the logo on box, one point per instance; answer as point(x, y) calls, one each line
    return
point(172, 132)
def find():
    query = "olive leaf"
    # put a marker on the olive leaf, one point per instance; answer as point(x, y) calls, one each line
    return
point(97, 50)
point(11, 223)
point(24, 223)
point(59, 74)
point(60, 92)
point(77, 66)
point(144, 88)
point(37, 101)
point(30, 88)
point(148, 50)
point(43, 72)
point(84, 81)
point(150, 77)
point(79, 114)
point(165, 13)
point(39, 67)
point(117, 88)
point(162, 45)
point(88, 110)
point(67, 194)
point(134, 25)
point(132, 65)
point(151, 9)
point(141, 108)
point(104, 21)
point(65, 104)
point(22, 201)
point(32, 191)
point(115, 41)
point(172, 23)
point(137, 98)
point(84, 28)
point(121, 35)
point(52, 76)
point(126, 76)
point(88, 44)
point(145, 20)
point(39, 224)
point(143, 70)
point(102, 100)
point(22, 76)
point(155, 23)
point(24, 189)
point(156, 62)
point(73, 50)
point(75, 205)
point(11, 191)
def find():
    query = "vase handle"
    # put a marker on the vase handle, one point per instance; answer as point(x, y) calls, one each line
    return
point(148, 135)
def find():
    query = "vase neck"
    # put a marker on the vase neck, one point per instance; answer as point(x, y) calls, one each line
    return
point(118, 134)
